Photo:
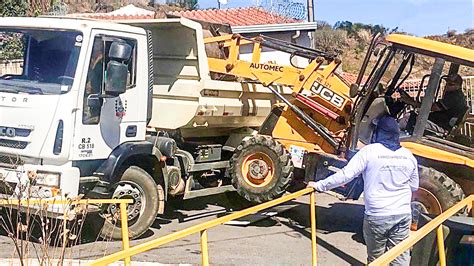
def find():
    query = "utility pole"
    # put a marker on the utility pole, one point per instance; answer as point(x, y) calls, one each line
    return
point(311, 19)
point(310, 11)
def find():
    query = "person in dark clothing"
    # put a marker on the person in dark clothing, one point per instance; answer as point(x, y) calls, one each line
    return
point(447, 112)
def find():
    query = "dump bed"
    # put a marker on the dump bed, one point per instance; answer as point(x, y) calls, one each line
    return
point(184, 95)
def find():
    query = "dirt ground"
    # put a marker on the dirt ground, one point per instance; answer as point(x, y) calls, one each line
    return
point(280, 240)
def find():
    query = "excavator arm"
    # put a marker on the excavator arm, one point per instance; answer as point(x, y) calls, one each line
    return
point(316, 87)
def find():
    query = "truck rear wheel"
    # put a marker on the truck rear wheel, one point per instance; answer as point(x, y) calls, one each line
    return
point(261, 169)
point(148, 199)
point(437, 192)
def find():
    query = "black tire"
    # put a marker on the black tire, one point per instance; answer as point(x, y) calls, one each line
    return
point(437, 184)
point(154, 202)
point(282, 171)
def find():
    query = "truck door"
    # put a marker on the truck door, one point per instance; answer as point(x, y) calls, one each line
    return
point(104, 122)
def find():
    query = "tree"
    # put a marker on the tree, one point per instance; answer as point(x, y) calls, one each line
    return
point(188, 4)
point(321, 24)
point(11, 44)
point(329, 40)
point(13, 8)
point(344, 25)
point(353, 28)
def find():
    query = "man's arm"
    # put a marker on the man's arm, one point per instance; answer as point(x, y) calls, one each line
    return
point(406, 98)
point(414, 181)
point(352, 170)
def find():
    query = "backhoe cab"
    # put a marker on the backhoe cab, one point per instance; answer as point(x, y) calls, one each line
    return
point(429, 115)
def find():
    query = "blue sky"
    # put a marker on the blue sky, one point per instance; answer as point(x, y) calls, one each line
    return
point(420, 17)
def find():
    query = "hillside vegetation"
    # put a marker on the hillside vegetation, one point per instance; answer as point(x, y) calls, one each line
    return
point(351, 41)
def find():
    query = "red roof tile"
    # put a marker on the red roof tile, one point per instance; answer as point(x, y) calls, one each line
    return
point(124, 13)
point(348, 77)
point(411, 86)
point(106, 16)
point(236, 16)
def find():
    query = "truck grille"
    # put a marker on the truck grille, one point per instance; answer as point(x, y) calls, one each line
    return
point(14, 144)
point(11, 161)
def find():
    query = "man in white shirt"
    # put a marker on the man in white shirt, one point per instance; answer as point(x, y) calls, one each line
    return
point(390, 174)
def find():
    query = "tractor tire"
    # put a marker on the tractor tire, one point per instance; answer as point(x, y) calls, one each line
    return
point(135, 183)
point(437, 192)
point(260, 169)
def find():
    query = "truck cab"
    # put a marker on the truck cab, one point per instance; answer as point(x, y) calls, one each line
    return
point(73, 110)
point(97, 109)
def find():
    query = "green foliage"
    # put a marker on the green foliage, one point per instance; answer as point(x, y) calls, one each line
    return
point(354, 28)
point(11, 46)
point(13, 8)
point(187, 4)
point(329, 40)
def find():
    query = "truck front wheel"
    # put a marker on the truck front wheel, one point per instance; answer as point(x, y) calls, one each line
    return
point(148, 198)
point(261, 169)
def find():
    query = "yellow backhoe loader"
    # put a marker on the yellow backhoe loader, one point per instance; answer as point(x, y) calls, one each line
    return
point(315, 132)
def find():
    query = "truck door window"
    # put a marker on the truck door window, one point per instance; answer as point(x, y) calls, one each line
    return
point(96, 73)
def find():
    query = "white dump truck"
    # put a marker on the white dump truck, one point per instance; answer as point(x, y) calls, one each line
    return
point(125, 111)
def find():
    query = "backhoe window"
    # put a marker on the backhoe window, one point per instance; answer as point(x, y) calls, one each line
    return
point(400, 92)
point(38, 61)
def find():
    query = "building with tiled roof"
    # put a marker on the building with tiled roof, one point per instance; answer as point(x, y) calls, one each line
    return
point(236, 16)
point(249, 22)
point(125, 13)
point(253, 21)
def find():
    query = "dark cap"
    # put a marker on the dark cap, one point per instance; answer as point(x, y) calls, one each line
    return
point(456, 79)
point(388, 124)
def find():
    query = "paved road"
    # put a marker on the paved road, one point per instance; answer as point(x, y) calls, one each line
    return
point(280, 240)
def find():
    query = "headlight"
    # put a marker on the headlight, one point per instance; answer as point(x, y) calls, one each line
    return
point(47, 179)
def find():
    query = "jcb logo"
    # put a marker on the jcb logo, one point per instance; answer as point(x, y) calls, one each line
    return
point(327, 94)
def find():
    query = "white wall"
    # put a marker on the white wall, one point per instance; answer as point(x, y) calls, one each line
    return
point(278, 57)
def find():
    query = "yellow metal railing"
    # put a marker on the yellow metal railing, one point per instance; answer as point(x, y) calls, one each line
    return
point(202, 229)
point(123, 213)
point(416, 236)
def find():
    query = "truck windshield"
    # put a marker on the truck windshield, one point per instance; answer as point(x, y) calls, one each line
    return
point(37, 61)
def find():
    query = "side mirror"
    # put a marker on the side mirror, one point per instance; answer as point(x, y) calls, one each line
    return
point(116, 82)
point(354, 90)
point(117, 70)
point(120, 51)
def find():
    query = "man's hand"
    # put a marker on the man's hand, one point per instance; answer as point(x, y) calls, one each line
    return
point(315, 185)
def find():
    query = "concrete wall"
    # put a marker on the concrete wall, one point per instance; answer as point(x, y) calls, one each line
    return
point(11, 67)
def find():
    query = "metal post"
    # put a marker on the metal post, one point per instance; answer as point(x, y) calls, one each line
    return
point(312, 206)
point(440, 241)
point(65, 219)
point(310, 11)
point(204, 250)
point(124, 227)
point(311, 19)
